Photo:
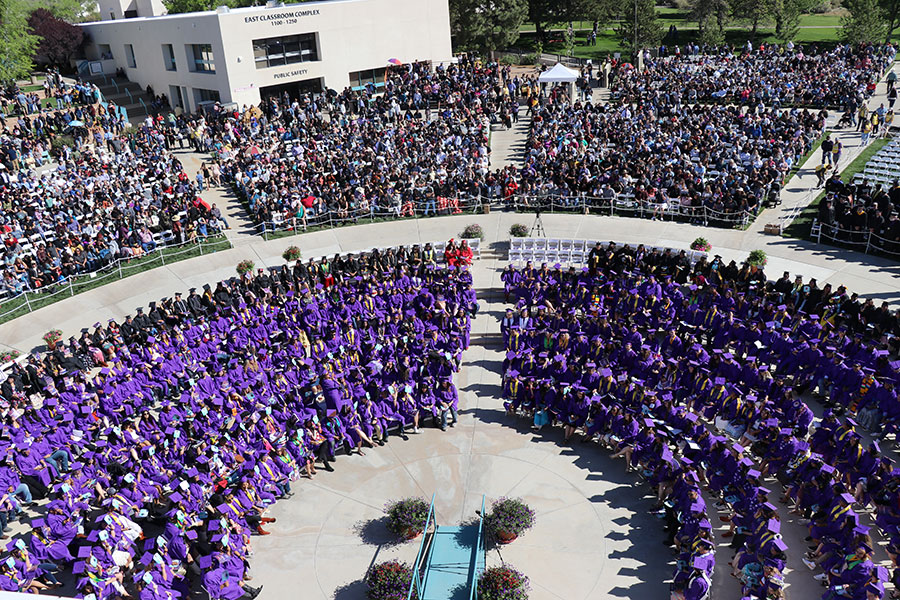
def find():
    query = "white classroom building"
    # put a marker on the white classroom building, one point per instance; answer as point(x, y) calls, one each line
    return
point(241, 55)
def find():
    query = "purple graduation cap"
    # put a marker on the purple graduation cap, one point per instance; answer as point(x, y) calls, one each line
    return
point(848, 498)
point(704, 563)
point(779, 543)
point(204, 562)
point(84, 551)
point(774, 525)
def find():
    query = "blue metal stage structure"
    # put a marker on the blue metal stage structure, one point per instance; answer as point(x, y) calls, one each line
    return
point(450, 560)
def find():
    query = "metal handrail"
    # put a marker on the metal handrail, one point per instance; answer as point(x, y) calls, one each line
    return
point(480, 550)
point(416, 583)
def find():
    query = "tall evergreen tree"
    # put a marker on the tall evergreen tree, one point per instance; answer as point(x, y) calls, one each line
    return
point(864, 23)
point(485, 25)
point(712, 17)
point(640, 15)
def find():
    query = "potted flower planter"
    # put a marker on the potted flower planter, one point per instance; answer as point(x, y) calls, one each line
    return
point(407, 517)
point(505, 537)
point(509, 518)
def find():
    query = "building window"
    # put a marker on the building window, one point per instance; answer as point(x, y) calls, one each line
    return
point(105, 51)
point(285, 50)
point(362, 78)
point(169, 57)
point(202, 57)
point(131, 14)
point(129, 55)
point(206, 95)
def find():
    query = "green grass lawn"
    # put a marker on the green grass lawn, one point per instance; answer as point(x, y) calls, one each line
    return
point(820, 20)
point(801, 226)
point(19, 306)
point(608, 41)
point(814, 29)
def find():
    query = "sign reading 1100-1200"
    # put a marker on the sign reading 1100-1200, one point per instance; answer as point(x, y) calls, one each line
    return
point(283, 18)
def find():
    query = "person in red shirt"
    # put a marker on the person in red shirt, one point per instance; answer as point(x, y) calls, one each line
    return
point(451, 253)
point(464, 254)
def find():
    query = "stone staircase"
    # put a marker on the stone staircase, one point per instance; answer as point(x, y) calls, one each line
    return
point(127, 94)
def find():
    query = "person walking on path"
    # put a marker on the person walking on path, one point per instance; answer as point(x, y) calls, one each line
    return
point(827, 147)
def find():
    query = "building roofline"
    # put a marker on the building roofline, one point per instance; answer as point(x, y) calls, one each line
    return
point(208, 13)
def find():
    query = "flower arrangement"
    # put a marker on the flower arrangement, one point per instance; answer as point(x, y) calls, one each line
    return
point(52, 338)
point(502, 583)
point(757, 258)
point(244, 267)
point(518, 230)
point(407, 517)
point(509, 518)
point(471, 231)
point(9, 355)
point(701, 245)
point(291, 254)
point(390, 581)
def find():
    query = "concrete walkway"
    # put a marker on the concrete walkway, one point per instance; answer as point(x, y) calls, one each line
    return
point(508, 145)
point(241, 225)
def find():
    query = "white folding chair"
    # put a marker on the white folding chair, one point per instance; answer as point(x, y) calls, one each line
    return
point(475, 245)
point(552, 244)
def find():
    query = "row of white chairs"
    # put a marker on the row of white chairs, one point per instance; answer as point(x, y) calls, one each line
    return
point(567, 250)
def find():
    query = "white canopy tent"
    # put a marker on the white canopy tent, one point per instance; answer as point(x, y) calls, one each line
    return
point(560, 74)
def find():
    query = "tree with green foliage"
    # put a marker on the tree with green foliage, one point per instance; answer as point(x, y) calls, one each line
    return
point(73, 11)
point(864, 22)
point(485, 25)
point(755, 13)
point(543, 13)
point(175, 7)
point(711, 17)
point(18, 44)
point(787, 19)
point(891, 11)
point(640, 15)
